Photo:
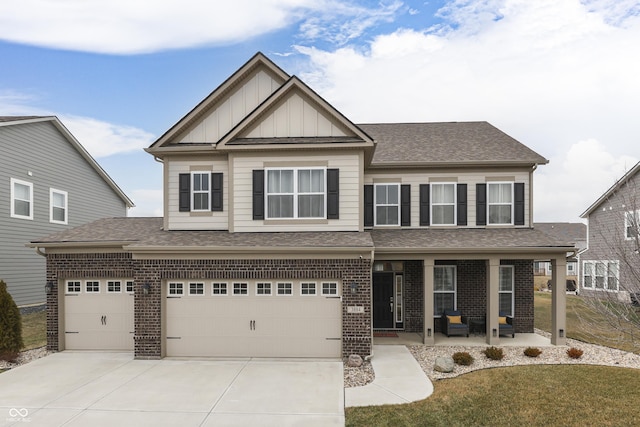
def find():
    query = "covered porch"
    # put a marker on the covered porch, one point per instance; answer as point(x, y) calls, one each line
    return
point(413, 338)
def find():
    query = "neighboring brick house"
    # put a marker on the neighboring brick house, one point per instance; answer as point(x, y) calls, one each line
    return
point(48, 183)
point(290, 231)
point(611, 262)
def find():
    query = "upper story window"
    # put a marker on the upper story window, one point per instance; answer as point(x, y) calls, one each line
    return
point(443, 204)
point(58, 206)
point(295, 193)
point(387, 204)
point(200, 191)
point(632, 224)
point(500, 202)
point(21, 199)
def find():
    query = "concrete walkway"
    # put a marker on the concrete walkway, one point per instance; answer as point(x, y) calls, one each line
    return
point(399, 379)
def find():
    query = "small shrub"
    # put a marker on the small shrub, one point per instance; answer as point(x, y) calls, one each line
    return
point(10, 325)
point(494, 353)
point(575, 353)
point(532, 352)
point(463, 358)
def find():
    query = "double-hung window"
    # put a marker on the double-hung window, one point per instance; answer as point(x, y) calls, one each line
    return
point(500, 202)
point(200, 191)
point(444, 288)
point(296, 193)
point(443, 204)
point(632, 225)
point(58, 206)
point(505, 291)
point(387, 204)
point(21, 199)
point(601, 275)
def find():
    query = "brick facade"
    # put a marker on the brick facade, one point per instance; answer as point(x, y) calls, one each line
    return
point(356, 327)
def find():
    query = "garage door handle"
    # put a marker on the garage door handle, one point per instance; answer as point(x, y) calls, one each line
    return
point(252, 325)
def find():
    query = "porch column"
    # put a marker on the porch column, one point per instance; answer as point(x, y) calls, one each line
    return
point(428, 329)
point(559, 301)
point(493, 300)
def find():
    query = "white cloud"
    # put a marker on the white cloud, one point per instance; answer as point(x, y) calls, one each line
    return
point(103, 139)
point(148, 202)
point(126, 27)
point(552, 74)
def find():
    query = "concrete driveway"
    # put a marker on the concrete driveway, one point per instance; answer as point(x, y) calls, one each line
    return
point(112, 389)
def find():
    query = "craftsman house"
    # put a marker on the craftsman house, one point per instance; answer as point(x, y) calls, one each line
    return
point(48, 183)
point(290, 231)
point(610, 264)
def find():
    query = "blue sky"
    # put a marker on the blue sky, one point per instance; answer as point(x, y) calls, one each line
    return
point(561, 76)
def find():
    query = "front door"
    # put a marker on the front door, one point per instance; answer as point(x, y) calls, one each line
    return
point(383, 303)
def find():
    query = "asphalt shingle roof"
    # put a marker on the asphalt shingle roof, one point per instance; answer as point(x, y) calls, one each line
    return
point(454, 142)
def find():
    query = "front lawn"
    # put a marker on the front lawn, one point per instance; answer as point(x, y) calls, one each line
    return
point(567, 395)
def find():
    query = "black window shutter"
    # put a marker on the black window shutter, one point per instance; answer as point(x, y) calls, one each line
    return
point(462, 204)
point(333, 193)
point(424, 204)
point(184, 192)
point(405, 205)
point(481, 204)
point(258, 194)
point(518, 205)
point(216, 192)
point(368, 205)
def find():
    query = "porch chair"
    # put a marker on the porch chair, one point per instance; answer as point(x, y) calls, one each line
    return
point(454, 323)
point(506, 325)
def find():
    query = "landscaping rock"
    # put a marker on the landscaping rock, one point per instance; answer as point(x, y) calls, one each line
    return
point(354, 361)
point(444, 364)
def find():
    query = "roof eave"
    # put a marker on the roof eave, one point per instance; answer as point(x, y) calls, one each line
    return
point(469, 164)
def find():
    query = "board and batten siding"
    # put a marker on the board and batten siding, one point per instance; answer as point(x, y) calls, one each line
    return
point(349, 164)
point(461, 177)
point(39, 154)
point(295, 117)
point(177, 220)
point(233, 109)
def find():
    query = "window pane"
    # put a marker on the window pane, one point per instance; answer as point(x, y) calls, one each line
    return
point(58, 200)
point(443, 193)
point(21, 207)
point(22, 192)
point(201, 201)
point(317, 180)
point(381, 194)
point(500, 214)
point(286, 181)
point(304, 181)
point(506, 279)
point(505, 303)
point(273, 181)
point(444, 279)
point(392, 194)
point(311, 206)
point(442, 302)
point(280, 206)
point(443, 215)
point(58, 214)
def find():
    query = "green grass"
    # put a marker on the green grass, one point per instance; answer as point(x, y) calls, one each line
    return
point(34, 330)
point(576, 329)
point(567, 395)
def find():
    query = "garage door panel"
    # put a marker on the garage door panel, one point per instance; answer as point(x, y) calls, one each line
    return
point(254, 326)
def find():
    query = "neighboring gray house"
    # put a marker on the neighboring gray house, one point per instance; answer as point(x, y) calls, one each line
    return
point(48, 183)
point(611, 262)
point(574, 232)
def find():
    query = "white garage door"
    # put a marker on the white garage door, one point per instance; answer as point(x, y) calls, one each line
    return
point(253, 319)
point(98, 315)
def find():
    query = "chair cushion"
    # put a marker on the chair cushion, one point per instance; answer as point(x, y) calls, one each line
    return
point(453, 320)
point(457, 326)
point(502, 320)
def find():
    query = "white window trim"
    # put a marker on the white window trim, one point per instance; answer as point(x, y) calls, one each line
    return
point(398, 299)
point(86, 286)
point(593, 275)
point(68, 282)
point(455, 203)
point(295, 192)
point(263, 294)
point(226, 289)
point(197, 294)
point(626, 224)
point(455, 288)
point(194, 192)
point(376, 204)
point(329, 294)
point(489, 204)
point(114, 282)
point(240, 294)
point(65, 207)
point(285, 288)
point(180, 289)
point(513, 287)
point(315, 289)
point(13, 207)
point(126, 285)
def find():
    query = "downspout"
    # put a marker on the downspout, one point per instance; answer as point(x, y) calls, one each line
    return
point(535, 166)
point(40, 252)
